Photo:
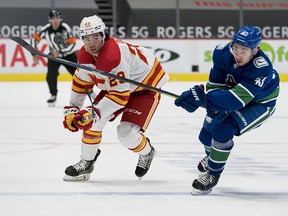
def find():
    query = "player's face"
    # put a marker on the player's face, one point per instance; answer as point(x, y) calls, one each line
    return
point(242, 55)
point(93, 43)
point(55, 22)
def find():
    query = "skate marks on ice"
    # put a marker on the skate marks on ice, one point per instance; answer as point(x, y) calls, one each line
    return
point(224, 192)
point(131, 193)
point(12, 145)
point(35, 150)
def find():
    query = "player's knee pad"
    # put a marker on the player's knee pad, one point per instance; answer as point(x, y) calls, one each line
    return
point(129, 134)
point(223, 131)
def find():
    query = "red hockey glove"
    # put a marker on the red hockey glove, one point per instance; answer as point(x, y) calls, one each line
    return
point(69, 114)
point(84, 119)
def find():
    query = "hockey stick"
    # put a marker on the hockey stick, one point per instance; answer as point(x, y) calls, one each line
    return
point(92, 109)
point(63, 61)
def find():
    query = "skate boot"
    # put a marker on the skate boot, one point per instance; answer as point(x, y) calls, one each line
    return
point(51, 101)
point(204, 184)
point(144, 163)
point(202, 165)
point(81, 170)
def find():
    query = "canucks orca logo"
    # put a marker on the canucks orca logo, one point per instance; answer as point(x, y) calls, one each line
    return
point(230, 81)
point(260, 62)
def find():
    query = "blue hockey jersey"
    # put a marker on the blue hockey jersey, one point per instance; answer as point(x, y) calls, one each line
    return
point(232, 87)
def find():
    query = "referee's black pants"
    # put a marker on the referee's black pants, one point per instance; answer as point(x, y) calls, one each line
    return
point(53, 72)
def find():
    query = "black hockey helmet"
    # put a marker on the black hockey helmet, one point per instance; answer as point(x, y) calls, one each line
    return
point(55, 13)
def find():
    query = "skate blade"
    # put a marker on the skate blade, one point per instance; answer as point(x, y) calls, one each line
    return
point(51, 104)
point(196, 192)
point(82, 177)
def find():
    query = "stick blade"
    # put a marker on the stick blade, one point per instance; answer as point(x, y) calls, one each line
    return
point(24, 44)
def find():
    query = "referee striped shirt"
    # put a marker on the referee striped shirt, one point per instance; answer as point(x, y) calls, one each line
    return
point(61, 40)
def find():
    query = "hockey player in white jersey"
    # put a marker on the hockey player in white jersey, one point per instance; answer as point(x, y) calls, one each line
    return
point(135, 104)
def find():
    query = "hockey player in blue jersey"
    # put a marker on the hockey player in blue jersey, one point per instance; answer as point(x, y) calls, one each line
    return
point(241, 93)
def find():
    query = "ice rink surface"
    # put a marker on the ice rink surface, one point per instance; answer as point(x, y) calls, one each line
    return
point(35, 150)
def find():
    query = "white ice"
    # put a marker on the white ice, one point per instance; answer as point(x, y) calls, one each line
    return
point(35, 150)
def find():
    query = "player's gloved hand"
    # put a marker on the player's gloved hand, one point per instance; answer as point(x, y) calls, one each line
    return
point(84, 119)
point(69, 114)
point(192, 99)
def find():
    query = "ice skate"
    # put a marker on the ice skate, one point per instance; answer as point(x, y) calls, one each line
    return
point(144, 163)
point(80, 171)
point(51, 101)
point(202, 165)
point(204, 184)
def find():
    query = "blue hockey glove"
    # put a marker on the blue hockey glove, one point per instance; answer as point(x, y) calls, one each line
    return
point(192, 99)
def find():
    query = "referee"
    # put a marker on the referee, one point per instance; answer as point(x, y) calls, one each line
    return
point(61, 43)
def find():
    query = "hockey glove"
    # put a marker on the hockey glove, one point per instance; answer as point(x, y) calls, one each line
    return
point(192, 99)
point(84, 119)
point(69, 114)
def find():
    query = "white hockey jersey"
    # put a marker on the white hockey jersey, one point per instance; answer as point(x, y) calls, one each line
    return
point(122, 59)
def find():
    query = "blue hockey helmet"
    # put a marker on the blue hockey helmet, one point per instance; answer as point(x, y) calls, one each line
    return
point(248, 36)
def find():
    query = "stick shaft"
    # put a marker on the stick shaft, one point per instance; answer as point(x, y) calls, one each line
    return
point(94, 70)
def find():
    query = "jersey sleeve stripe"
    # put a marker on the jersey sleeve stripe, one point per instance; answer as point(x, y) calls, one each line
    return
point(79, 85)
point(270, 97)
point(81, 82)
point(210, 86)
point(36, 37)
point(242, 94)
point(246, 90)
point(154, 76)
point(120, 98)
point(71, 40)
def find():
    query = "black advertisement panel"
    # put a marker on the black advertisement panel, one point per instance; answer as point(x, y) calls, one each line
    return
point(154, 23)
